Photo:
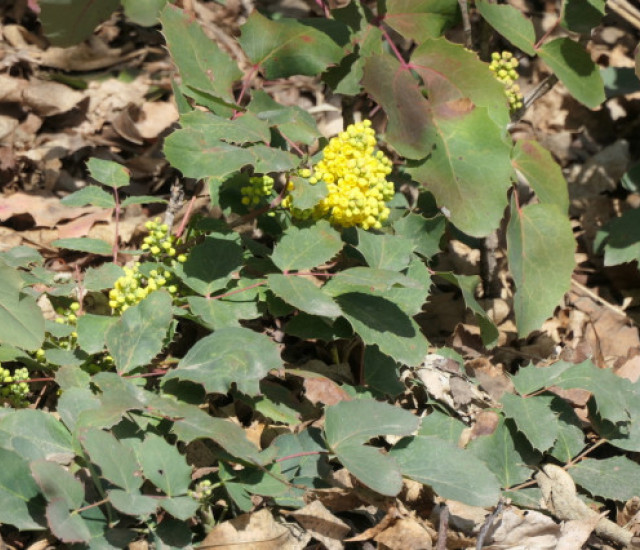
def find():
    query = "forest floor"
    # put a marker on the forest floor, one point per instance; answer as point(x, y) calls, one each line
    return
point(110, 97)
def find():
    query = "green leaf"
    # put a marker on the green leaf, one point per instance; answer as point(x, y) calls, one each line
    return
point(420, 19)
point(143, 12)
point(56, 483)
point(70, 377)
point(367, 279)
point(217, 314)
point(20, 317)
point(571, 438)
point(164, 466)
point(410, 299)
point(426, 233)
point(92, 194)
point(20, 502)
point(305, 195)
point(350, 424)
point(616, 478)
point(534, 418)
point(246, 129)
point(91, 331)
point(287, 47)
point(506, 453)
point(468, 285)
point(138, 336)
point(46, 438)
point(68, 526)
point(21, 256)
point(203, 66)
point(294, 122)
point(511, 23)
point(306, 248)
point(142, 199)
point(294, 445)
point(453, 473)
point(390, 252)
point(117, 462)
point(540, 249)
point(380, 322)
point(85, 244)
point(575, 69)
point(542, 173)
point(103, 277)
point(303, 294)
point(108, 173)
point(442, 426)
point(229, 355)
point(180, 507)
point(211, 264)
point(132, 503)
point(199, 155)
point(69, 22)
point(73, 402)
point(533, 378)
point(381, 372)
point(582, 15)
point(621, 238)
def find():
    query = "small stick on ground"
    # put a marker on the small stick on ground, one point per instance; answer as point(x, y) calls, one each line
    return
point(487, 524)
point(443, 527)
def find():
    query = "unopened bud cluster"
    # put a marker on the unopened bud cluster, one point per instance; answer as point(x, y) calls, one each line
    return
point(259, 187)
point(67, 316)
point(504, 65)
point(134, 286)
point(14, 386)
point(202, 491)
point(355, 175)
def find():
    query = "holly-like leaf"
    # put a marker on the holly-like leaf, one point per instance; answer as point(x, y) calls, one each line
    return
point(621, 238)
point(57, 483)
point(306, 248)
point(390, 252)
point(180, 507)
point(246, 129)
point(93, 195)
point(452, 472)
point(616, 478)
point(305, 195)
point(211, 263)
point(287, 47)
point(540, 247)
point(164, 466)
point(101, 278)
point(350, 424)
point(381, 372)
point(542, 173)
point(69, 22)
point(65, 524)
point(534, 418)
point(117, 462)
point(381, 322)
point(368, 279)
point(229, 355)
point(303, 294)
point(138, 336)
point(441, 425)
point(85, 244)
point(421, 19)
point(132, 503)
point(20, 502)
point(511, 23)
point(506, 453)
point(143, 12)
point(575, 69)
point(571, 438)
point(46, 438)
point(108, 173)
point(205, 69)
point(424, 232)
point(91, 331)
point(20, 317)
point(73, 402)
point(582, 15)
point(217, 314)
point(142, 199)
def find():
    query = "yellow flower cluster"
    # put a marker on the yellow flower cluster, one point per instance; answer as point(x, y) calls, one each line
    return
point(355, 175)
point(14, 387)
point(134, 286)
point(258, 188)
point(67, 317)
point(504, 65)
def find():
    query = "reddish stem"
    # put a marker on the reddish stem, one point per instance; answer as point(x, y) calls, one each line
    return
point(297, 455)
point(245, 86)
point(117, 228)
point(187, 216)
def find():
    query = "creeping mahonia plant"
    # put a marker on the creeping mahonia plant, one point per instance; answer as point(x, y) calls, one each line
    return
point(15, 387)
point(504, 65)
point(355, 175)
point(259, 187)
point(134, 286)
